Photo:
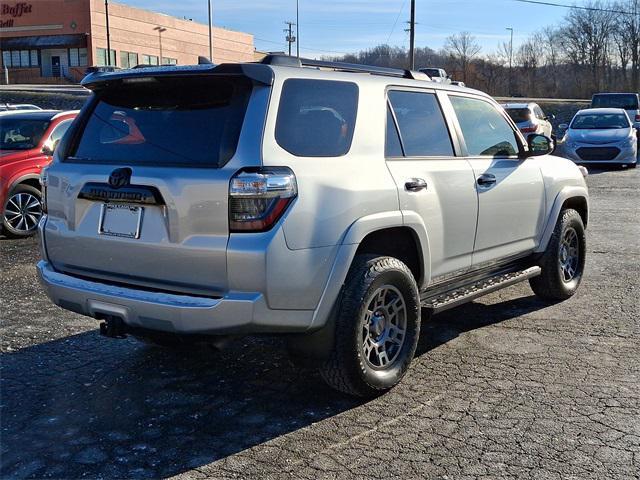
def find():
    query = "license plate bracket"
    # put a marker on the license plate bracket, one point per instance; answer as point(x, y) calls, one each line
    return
point(120, 220)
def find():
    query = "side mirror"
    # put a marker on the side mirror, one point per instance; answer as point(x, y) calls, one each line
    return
point(539, 145)
point(49, 147)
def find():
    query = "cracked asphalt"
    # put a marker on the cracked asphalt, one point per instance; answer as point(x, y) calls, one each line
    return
point(505, 387)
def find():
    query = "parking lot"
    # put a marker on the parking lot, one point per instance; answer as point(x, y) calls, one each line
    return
point(505, 387)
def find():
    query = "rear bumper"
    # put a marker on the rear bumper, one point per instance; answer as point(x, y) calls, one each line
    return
point(236, 312)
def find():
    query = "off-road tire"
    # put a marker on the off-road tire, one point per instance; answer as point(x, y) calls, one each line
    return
point(7, 228)
point(550, 284)
point(346, 368)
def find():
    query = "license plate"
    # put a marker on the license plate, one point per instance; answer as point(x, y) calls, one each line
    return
point(120, 220)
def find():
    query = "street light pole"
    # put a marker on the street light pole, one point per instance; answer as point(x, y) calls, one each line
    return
point(297, 29)
point(106, 14)
point(511, 62)
point(160, 30)
point(210, 34)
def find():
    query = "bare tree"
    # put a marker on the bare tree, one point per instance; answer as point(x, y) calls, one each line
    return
point(628, 33)
point(463, 48)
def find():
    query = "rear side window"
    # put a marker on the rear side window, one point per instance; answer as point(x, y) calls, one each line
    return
point(316, 118)
point(519, 115)
point(423, 130)
point(624, 101)
point(183, 122)
point(486, 132)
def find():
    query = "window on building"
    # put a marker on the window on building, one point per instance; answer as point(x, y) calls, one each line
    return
point(82, 55)
point(101, 57)
point(74, 59)
point(128, 59)
point(20, 58)
point(169, 61)
point(149, 59)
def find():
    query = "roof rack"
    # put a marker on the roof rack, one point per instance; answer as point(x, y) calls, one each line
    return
point(287, 61)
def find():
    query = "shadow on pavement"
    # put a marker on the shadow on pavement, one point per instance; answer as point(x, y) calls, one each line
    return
point(89, 406)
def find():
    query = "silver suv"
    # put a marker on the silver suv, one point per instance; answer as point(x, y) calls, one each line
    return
point(334, 203)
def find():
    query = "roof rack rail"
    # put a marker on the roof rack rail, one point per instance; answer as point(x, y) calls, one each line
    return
point(287, 61)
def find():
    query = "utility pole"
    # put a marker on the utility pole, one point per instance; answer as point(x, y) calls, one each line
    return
point(297, 29)
point(106, 14)
point(290, 37)
point(412, 36)
point(511, 62)
point(210, 34)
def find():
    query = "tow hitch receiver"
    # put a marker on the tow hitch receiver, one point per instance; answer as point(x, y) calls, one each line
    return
point(113, 327)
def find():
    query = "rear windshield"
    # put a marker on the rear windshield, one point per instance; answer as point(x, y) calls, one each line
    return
point(316, 118)
point(600, 121)
point(624, 101)
point(170, 121)
point(519, 115)
point(21, 134)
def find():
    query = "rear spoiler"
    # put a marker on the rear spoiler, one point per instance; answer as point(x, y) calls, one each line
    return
point(260, 73)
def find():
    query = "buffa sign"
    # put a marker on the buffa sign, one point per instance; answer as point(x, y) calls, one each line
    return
point(14, 11)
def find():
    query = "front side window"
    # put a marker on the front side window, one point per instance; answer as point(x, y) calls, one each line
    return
point(422, 126)
point(192, 122)
point(316, 118)
point(486, 132)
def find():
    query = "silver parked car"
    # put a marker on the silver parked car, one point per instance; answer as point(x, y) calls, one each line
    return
point(600, 135)
point(530, 118)
point(337, 204)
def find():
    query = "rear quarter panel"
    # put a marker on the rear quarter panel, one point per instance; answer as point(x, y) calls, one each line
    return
point(335, 192)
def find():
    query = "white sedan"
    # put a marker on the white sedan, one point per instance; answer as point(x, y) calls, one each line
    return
point(600, 135)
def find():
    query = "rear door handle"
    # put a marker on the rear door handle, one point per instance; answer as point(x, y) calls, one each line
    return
point(486, 179)
point(415, 185)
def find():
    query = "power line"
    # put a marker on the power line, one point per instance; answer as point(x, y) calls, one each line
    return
point(575, 7)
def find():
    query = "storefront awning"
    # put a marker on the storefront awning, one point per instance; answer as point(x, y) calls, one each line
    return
point(48, 41)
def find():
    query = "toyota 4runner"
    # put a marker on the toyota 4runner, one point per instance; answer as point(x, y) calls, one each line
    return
point(336, 204)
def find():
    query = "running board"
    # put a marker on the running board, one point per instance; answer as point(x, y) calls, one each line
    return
point(467, 293)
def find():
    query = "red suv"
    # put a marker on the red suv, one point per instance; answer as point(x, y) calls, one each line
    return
point(27, 142)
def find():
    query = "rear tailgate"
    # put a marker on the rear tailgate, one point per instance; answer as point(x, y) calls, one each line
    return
point(140, 196)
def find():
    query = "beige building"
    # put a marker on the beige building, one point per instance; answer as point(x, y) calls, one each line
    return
point(53, 41)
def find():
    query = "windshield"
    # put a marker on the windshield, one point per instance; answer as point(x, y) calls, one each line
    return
point(21, 134)
point(432, 72)
point(600, 121)
point(624, 101)
point(185, 122)
point(519, 115)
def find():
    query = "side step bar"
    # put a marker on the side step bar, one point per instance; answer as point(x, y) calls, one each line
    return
point(467, 293)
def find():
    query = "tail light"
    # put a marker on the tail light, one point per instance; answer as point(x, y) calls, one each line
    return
point(638, 117)
point(529, 129)
point(44, 182)
point(258, 197)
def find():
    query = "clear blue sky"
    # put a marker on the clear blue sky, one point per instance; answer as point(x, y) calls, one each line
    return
point(329, 27)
